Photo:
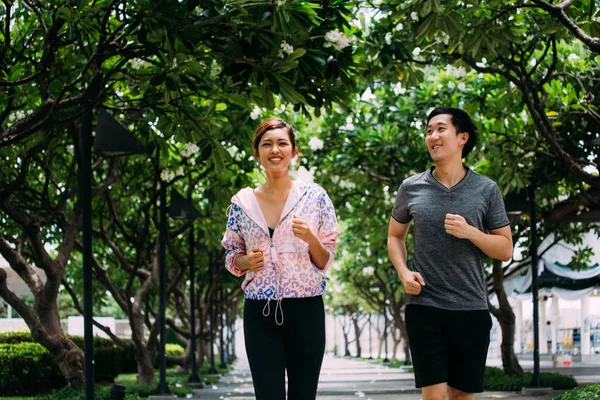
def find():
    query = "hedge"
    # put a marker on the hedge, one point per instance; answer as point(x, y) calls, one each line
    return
point(23, 364)
point(588, 392)
point(19, 353)
point(496, 379)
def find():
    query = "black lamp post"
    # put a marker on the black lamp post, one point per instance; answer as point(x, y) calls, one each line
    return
point(222, 351)
point(181, 208)
point(111, 140)
point(385, 335)
point(370, 336)
point(516, 204)
point(212, 369)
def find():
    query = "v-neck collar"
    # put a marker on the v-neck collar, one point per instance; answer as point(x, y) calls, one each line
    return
point(453, 188)
point(290, 202)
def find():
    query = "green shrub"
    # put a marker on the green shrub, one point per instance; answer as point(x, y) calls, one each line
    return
point(496, 379)
point(22, 364)
point(588, 392)
point(174, 350)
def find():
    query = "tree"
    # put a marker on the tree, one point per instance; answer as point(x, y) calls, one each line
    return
point(171, 69)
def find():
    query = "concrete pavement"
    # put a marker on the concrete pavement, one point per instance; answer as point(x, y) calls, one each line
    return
point(345, 379)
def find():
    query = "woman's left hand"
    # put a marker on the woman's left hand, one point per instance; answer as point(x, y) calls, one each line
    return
point(302, 230)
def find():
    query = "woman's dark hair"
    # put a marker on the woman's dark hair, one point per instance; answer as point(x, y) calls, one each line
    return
point(269, 125)
point(462, 122)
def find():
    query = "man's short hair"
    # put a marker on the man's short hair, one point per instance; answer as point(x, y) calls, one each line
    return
point(462, 122)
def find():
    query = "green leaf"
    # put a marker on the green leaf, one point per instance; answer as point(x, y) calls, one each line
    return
point(158, 79)
point(289, 92)
point(425, 26)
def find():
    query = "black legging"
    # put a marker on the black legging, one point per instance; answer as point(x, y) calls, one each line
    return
point(296, 346)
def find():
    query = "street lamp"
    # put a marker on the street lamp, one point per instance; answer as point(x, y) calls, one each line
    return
point(370, 337)
point(181, 208)
point(516, 204)
point(212, 370)
point(222, 350)
point(385, 335)
point(111, 140)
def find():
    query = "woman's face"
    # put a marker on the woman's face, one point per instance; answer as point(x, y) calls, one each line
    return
point(275, 150)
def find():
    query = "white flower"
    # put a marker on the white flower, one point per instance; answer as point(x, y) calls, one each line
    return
point(348, 127)
point(524, 116)
point(200, 12)
point(461, 86)
point(399, 27)
point(337, 40)
point(419, 123)
point(333, 36)
point(286, 48)
point(189, 150)
point(573, 57)
point(388, 38)
point(398, 89)
point(416, 51)
point(215, 69)
point(315, 143)
point(414, 16)
point(533, 62)
point(455, 72)
point(368, 271)
point(180, 171)
point(445, 37)
point(192, 161)
point(138, 64)
point(451, 85)
point(255, 114)
point(233, 150)
point(167, 175)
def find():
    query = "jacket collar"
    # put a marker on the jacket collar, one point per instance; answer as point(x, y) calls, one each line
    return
point(246, 200)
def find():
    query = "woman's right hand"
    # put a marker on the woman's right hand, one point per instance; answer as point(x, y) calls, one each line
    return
point(256, 260)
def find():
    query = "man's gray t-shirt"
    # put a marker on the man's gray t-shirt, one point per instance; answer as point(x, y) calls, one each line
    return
point(451, 267)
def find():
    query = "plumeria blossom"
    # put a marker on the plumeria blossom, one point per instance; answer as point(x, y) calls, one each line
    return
point(167, 175)
point(286, 48)
point(215, 69)
point(388, 38)
point(398, 89)
point(136, 63)
point(457, 72)
point(255, 114)
point(189, 150)
point(337, 40)
point(315, 143)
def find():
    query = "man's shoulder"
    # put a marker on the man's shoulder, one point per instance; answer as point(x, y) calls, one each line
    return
point(482, 180)
point(415, 179)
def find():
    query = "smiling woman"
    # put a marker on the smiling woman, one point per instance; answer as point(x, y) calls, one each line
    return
point(282, 237)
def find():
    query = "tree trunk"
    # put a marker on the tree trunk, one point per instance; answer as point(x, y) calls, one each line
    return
point(357, 333)
point(506, 317)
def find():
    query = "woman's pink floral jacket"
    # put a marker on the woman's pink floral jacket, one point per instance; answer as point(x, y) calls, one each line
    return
point(288, 272)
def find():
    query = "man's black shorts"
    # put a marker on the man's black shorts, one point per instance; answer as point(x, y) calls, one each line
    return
point(448, 346)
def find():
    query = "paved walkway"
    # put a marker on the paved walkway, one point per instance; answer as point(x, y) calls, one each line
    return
point(344, 379)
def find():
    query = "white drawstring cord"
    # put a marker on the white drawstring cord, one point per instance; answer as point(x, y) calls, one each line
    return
point(280, 308)
point(268, 307)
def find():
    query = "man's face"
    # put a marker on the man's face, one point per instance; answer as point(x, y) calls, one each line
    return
point(442, 141)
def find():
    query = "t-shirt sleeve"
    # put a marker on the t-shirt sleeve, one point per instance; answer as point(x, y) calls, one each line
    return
point(496, 214)
point(401, 212)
